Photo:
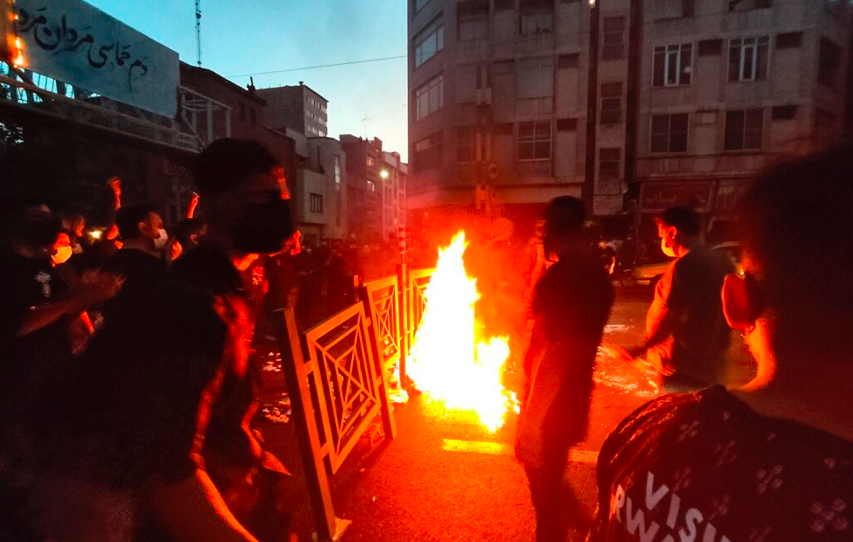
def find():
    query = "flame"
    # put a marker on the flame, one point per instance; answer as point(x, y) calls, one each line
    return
point(449, 364)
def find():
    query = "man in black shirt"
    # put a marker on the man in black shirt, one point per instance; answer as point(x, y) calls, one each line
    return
point(571, 304)
point(774, 459)
point(130, 453)
point(140, 260)
point(686, 335)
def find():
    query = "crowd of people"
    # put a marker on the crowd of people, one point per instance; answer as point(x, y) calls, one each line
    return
point(128, 384)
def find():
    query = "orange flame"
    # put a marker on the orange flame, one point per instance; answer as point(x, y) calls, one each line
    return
point(449, 364)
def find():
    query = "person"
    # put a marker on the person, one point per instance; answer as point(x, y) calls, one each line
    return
point(140, 260)
point(772, 460)
point(607, 256)
point(686, 335)
point(159, 408)
point(571, 305)
point(189, 233)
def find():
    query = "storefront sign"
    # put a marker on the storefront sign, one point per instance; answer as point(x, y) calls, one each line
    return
point(660, 196)
point(76, 43)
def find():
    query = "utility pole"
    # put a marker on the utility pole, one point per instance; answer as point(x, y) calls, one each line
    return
point(588, 191)
point(198, 31)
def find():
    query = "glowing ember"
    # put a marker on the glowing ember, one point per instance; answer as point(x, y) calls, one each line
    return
point(449, 363)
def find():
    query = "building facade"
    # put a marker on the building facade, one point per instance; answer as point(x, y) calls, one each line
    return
point(393, 177)
point(630, 104)
point(725, 87)
point(364, 200)
point(297, 107)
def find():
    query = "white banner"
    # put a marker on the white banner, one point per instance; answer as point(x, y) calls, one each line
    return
point(79, 44)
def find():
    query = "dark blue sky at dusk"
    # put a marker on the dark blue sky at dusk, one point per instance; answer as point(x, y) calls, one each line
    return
point(241, 37)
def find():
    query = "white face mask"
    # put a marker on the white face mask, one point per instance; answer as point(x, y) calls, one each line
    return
point(161, 241)
point(667, 250)
point(62, 255)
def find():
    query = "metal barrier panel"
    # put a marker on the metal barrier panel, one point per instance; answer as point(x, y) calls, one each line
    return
point(336, 390)
point(348, 382)
point(418, 281)
point(383, 311)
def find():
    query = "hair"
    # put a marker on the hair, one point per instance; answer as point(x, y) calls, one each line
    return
point(564, 215)
point(188, 227)
point(795, 224)
point(684, 219)
point(129, 217)
point(32, 225)
point(226, 163)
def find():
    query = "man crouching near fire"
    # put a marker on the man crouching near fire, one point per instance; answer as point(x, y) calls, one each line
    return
point(774, 459)
point(571, 304)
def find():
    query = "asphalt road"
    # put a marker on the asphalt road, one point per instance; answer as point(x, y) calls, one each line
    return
point(444, 478)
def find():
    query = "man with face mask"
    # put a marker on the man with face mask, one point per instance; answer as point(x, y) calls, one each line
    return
point(155, 423)
point(140, 261)
point(686, 335)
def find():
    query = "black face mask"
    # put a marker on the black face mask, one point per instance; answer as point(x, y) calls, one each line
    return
point(264, 226)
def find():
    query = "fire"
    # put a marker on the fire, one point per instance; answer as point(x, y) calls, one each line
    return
point(449, 363)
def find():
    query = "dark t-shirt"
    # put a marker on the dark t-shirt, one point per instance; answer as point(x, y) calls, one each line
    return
point(704, 467)
point(27, 283)
point(572, 302)
point(141, 271)
point(688, 298)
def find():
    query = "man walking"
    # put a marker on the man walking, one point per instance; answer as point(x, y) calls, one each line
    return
point(571, 304)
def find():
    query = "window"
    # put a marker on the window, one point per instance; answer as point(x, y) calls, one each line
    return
point(472, 21)
point(316, 203)
point(429, 42)
point(371, 186)
point(429, 98)
point(567, 125)
point(748, 59)
point(614, 38)
point(370, 161)
point(672, 9)
point(828, 63)
point(710, 47)
point(466, 140)
point(419, 4)
point(535, 78)
point(669, 133)
point(536, 19)
point(608, 162)
point(744, 129)
point(338, 173)
point(836, 7)
point(783, 112)
point(789, 40)
point(534, 140)
point(568, 61)
point(746, 5)
point(611, 103)
point(673, 65)
point(428, 152)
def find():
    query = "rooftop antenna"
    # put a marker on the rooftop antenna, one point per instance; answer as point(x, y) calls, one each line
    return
point(198, 30)
point(364, 120)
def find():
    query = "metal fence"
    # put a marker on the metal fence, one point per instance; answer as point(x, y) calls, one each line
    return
point(338, 376)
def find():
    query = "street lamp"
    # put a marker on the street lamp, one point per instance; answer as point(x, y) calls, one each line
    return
point(384, 174)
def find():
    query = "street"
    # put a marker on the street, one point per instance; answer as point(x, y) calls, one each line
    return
point(446, 478)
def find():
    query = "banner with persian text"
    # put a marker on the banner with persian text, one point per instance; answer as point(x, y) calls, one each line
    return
point(79, 44)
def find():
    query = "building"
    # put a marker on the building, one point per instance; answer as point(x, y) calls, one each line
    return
point(364, 201)
point(725, 87)
point(630, 104)
point(393, 177)
point(498, 100)
point(297, 107)
point(321, 196)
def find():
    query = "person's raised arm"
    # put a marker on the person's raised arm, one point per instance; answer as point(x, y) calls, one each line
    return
point(115, 186)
